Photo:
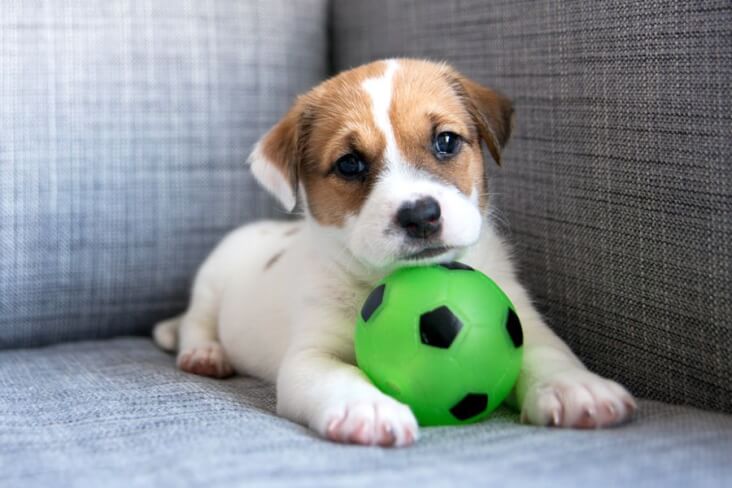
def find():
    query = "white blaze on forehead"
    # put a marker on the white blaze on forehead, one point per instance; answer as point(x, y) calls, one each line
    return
point(380, 90)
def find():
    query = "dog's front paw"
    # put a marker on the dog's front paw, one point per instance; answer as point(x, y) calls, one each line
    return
point(578, 399)
point(374, 419)
point(206, 359)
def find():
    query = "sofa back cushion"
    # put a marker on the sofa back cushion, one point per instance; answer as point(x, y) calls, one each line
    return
point(124, 128)
point(617, 185)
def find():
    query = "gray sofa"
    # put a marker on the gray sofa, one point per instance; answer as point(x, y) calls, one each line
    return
point(124, 126)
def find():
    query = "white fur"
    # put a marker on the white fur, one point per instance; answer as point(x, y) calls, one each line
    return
point(281, 299)
point(380, 90)
point(272, 179)
point(376, 240)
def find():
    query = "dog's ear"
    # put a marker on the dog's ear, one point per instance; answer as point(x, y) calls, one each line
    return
point(276, 157)
point(491, 111)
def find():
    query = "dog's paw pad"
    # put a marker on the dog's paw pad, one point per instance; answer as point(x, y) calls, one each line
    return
point(578, 399)
point(206, 359)
point(378, 421)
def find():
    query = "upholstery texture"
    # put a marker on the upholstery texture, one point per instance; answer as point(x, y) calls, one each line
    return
point(617, 186)
point(124, 127)
point(118, 413)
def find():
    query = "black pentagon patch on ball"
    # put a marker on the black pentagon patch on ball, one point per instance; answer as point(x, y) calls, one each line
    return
point(372, 302)
point(456, 265)
point(513, 326)
point(471, 405)
point(439, 327)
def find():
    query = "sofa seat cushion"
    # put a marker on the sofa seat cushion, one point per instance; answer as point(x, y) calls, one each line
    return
point(118, 413)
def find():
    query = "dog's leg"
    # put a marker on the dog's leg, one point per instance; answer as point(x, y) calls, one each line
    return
point(165, 334)
point(554, 387)
point(199, 350)
point(319, 386)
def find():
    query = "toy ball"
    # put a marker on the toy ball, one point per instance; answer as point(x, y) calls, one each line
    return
point(443, 339)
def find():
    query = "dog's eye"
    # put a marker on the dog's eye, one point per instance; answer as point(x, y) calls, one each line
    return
point(446, 145)
point(351, 167)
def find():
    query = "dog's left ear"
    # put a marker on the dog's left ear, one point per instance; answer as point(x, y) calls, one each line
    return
point(492, 113)
point(276, 157)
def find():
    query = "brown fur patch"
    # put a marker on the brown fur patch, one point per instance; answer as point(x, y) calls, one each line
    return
point(342, 123)
point(281, 145)
point(271, 261)
point(423, 105)
point(491, 112)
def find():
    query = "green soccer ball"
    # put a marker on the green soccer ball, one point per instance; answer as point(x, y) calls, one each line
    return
point(443, 339)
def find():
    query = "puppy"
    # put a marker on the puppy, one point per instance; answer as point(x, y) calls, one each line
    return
point(386, 161)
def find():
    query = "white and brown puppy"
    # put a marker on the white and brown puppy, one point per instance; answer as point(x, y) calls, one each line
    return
point(386, 161)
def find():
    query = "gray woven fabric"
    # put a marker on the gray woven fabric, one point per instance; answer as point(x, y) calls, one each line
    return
point(617, 186)
point(124, 127)
point(118, 413)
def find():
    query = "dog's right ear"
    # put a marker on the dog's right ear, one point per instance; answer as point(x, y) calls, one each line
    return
point(491, 111)
point(276, 157)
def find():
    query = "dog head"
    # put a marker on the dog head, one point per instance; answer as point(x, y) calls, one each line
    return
point(388, 156)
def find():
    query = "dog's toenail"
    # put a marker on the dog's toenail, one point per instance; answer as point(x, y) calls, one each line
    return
point(555, 417)
point(332, 426)
point(360, 434)
point(388, 438)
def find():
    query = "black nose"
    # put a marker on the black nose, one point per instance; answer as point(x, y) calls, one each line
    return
point(420, 219)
